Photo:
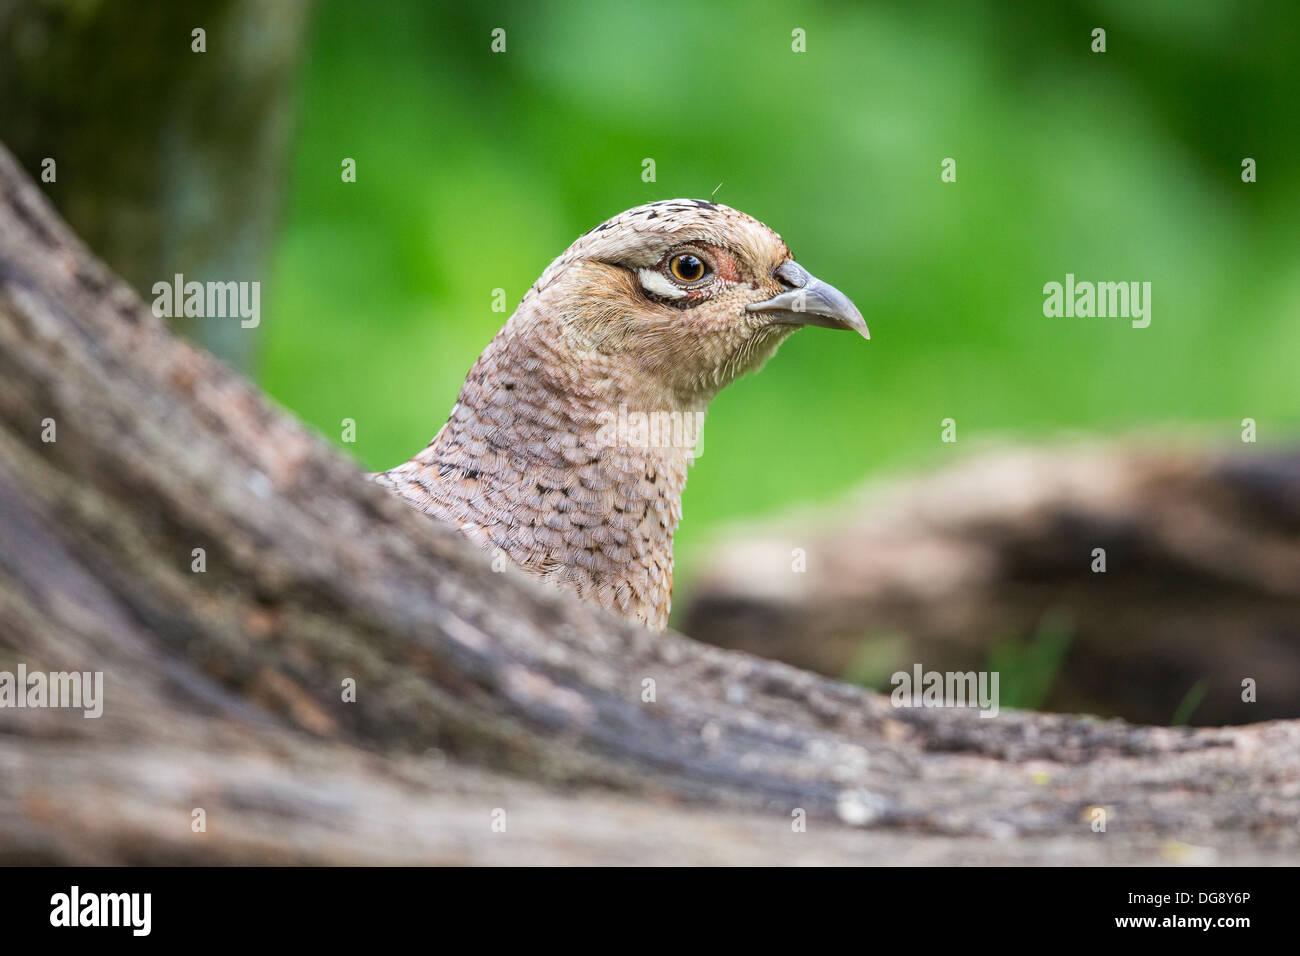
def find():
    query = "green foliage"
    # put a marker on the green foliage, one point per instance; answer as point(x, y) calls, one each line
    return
point(1027, 668)
point(475, 169)
point(1187, 706)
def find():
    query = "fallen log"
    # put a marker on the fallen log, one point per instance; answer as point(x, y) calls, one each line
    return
point(1159, 569)
point(493, 720)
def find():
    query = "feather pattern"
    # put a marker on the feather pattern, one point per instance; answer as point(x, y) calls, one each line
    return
point(533, 463)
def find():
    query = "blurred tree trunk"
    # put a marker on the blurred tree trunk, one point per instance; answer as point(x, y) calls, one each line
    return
point(163, 177)
point(234, 579)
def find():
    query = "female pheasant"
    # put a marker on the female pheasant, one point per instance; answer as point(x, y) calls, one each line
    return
point(642, 320)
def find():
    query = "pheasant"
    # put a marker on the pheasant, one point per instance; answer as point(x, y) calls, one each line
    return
point(545, 460)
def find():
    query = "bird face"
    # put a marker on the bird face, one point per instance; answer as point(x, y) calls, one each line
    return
point(691, 293)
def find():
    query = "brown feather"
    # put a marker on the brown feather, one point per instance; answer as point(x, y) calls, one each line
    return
point(522, 466)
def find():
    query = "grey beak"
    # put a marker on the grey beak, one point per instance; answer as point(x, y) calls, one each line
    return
point(809, 301)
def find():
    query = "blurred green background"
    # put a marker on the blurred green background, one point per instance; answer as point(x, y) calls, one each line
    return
point(475, 169)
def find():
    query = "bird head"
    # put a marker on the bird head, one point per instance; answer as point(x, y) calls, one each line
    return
point(688, 293)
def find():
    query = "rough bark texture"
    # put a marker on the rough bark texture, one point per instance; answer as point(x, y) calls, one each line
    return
point(1201, 587)
point(475, 690)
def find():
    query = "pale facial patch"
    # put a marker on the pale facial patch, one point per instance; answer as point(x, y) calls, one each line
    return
point(655, 283)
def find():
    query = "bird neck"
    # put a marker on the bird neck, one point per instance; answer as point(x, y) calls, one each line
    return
point(533, 400)
point(573, 468)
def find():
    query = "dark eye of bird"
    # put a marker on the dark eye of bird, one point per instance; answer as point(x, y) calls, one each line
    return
point(687, 268)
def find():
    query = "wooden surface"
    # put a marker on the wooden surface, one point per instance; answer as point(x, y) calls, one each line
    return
point(1201, 588)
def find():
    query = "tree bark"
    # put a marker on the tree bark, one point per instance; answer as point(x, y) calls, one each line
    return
point(476, 691)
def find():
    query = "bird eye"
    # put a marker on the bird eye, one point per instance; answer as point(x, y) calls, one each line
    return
point(687, 267)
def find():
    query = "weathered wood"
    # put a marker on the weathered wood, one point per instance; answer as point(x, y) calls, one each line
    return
point(476, 690)
point(1201, 587)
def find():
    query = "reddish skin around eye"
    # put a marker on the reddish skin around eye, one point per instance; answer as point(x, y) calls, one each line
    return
point(725, 264)
point(720, 260)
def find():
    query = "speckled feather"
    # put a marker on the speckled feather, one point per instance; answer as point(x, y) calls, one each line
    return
point(522, 466)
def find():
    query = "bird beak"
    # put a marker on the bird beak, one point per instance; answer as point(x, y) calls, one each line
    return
point(810, 301)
